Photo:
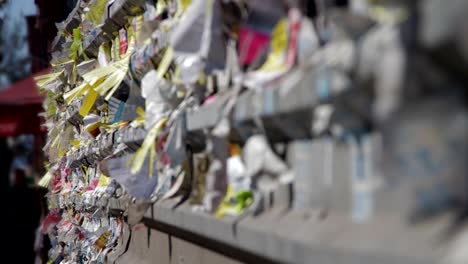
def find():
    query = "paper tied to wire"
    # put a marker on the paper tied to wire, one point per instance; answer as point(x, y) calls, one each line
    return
point(138, 185)
point(90, 97)
point(43, 80)
point(234, 203)
point(199, 38)
point(96, 11)
point(76, 48)
point(148, 147)
point(161, 96)
point(106, 80)
point(175, 147)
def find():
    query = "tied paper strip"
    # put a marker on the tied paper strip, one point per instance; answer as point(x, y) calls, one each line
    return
point(104, 181)
point(160, 7)
point(140, 120)
point(76, 47)
point(45, 180)
point(137, 23)
point(88, 101)
point(149, 145)
point(234, 203)
point(96, 11)
point(75, 93)
point(106, 80)
point(43, 80)
point(139, 186)
point(182, 6)
point(279, 47)
point(165, 62)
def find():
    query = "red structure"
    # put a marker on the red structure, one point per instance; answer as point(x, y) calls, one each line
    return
point(20, 103)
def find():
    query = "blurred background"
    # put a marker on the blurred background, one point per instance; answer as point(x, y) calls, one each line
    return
point(27, 28)
point(348, 124)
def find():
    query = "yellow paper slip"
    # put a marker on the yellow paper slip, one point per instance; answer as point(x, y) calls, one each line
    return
point(50, 107)
point(88, 102)
point(45, 180)
point(76, 47)
point(136, 27)
point(43, 80)
point(56, 64)
point(279, 46)
point(104, 180)
point(75, 143)
point(111, 77)
point(160, 6)
point(140, 120)
point(75, 93)
point(182, 6)
point(388, 15)
point(165, 62)
point(149, 142)
point(96, 11)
